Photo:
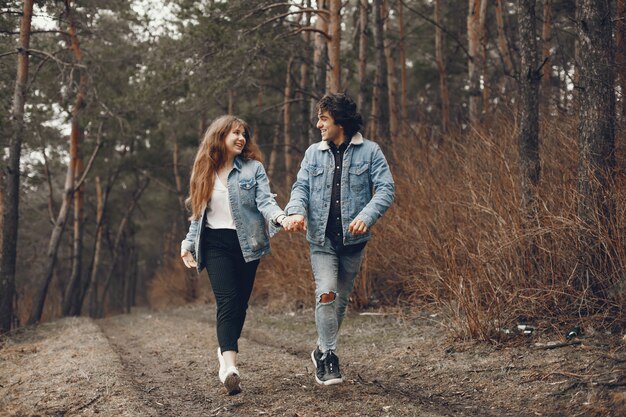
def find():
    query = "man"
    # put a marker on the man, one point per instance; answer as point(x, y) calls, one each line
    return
point(343, 187)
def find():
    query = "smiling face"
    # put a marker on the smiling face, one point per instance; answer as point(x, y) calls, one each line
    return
point(330, 131)
point(235, 141)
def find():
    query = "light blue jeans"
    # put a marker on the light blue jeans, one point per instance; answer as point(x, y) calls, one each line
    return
point(334, 269)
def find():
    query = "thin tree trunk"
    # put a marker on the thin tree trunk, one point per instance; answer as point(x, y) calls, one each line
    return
point(304, 82)
point(363, 20)
point(92, 288)
point(320, 56)
point(528, 136)
point(334, 47)
point(191, 281)
point(392, 92)
point(620, 56)
point(482, 26)
point(11, 189)
point(68, 195)
point(546, 36)
point(441, 66)
point(503, 47)
point(380, 102)
point(231, 101)
point(72, 290)
point(118, 241)
point(287, 124)
point(320, 52)
point(402, 55)
point(473, 39)
point(596, 139)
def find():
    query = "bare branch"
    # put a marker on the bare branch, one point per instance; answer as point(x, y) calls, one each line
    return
point(91, 159)
point(49, 55)
point(432, 22)
point(283, 15)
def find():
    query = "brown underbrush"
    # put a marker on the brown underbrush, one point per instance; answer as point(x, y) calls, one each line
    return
point(456, 240)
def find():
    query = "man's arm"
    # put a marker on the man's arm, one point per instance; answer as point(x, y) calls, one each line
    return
point(384, 191)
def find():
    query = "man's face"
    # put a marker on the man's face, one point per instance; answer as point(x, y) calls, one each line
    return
point(328, 128)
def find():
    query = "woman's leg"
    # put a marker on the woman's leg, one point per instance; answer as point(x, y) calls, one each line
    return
point(231, 280)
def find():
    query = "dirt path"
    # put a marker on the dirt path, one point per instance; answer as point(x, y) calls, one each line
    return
point(163, 364)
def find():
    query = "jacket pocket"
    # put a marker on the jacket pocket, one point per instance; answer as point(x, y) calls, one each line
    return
point(247, 191)
point(359, 177)
point(317, 179)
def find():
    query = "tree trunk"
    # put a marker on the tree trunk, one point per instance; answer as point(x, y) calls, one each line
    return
point(530, 76)
point(71, 295)
point(528, 136)
point(441, 67)
point(380, 102)
point(473, 67)
point(503, 47)
point(402, 55)
point(304, 83)
point(320, 52)
point(546, 36)
point(334, 47)
point(191, 281)
point(392, 93)
point(287, 124)
point(11, 191)
point(92, 288)
point(620, 57)
point(482, 27)
point(363, 21)
point(68, 195)
point(596, 139)
point(118, 242)
point(320, 56)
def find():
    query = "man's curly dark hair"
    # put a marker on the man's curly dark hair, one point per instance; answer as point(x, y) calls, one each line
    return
point(343, 110)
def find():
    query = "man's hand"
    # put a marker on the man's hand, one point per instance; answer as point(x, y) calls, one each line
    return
point(357, 227)
point(188, 259)
point(294, 223)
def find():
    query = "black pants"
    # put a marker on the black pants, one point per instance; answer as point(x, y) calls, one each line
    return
point(232, 279)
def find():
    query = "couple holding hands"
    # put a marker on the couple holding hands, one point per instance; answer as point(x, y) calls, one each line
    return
point(343, 187)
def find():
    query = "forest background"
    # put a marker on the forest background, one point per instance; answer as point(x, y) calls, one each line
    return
point(502, 122)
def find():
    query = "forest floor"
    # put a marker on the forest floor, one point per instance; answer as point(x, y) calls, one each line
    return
point(162, 363)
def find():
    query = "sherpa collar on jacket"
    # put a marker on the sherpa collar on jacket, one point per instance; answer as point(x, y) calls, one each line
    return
point(357, 139)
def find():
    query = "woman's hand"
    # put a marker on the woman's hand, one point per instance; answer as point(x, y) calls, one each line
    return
point(188, 259)
point(294, 223)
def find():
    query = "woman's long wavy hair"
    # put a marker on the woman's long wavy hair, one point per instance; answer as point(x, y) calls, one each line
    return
point(211, 157)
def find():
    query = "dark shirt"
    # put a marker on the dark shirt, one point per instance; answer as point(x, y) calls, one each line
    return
point(334, 229)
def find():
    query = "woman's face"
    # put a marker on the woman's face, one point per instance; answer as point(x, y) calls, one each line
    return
point(235, 141)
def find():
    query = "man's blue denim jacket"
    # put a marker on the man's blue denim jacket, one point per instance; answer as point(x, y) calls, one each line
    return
point(252, 205)
point(367, 188)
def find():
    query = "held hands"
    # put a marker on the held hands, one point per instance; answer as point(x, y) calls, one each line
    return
point(294, 223)
point(188, 259)
point(357, 227)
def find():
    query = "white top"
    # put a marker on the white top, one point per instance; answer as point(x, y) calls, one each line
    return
point(218, 210)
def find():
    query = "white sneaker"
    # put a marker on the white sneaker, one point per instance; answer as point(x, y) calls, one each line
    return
point(222, 371)
point(228, 376)
point(232, 382)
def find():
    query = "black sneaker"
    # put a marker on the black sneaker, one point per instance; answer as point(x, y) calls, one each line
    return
point(320, 368)
point(332, 373)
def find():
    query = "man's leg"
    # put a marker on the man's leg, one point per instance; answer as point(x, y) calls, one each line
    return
point(325, 264)
point(349, 265)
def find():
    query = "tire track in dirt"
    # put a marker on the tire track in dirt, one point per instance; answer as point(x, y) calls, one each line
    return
point(169, 359)
point(389, 389)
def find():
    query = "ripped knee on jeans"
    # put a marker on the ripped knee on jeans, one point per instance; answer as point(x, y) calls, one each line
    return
point(327, 297)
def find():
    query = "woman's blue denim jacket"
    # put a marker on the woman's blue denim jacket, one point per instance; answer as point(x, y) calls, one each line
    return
point(367, 188)
point(253, 208)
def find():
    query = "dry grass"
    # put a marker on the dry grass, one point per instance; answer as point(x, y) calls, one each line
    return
point(456, 237)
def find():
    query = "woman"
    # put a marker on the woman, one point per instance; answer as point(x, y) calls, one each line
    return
point(231, 202)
